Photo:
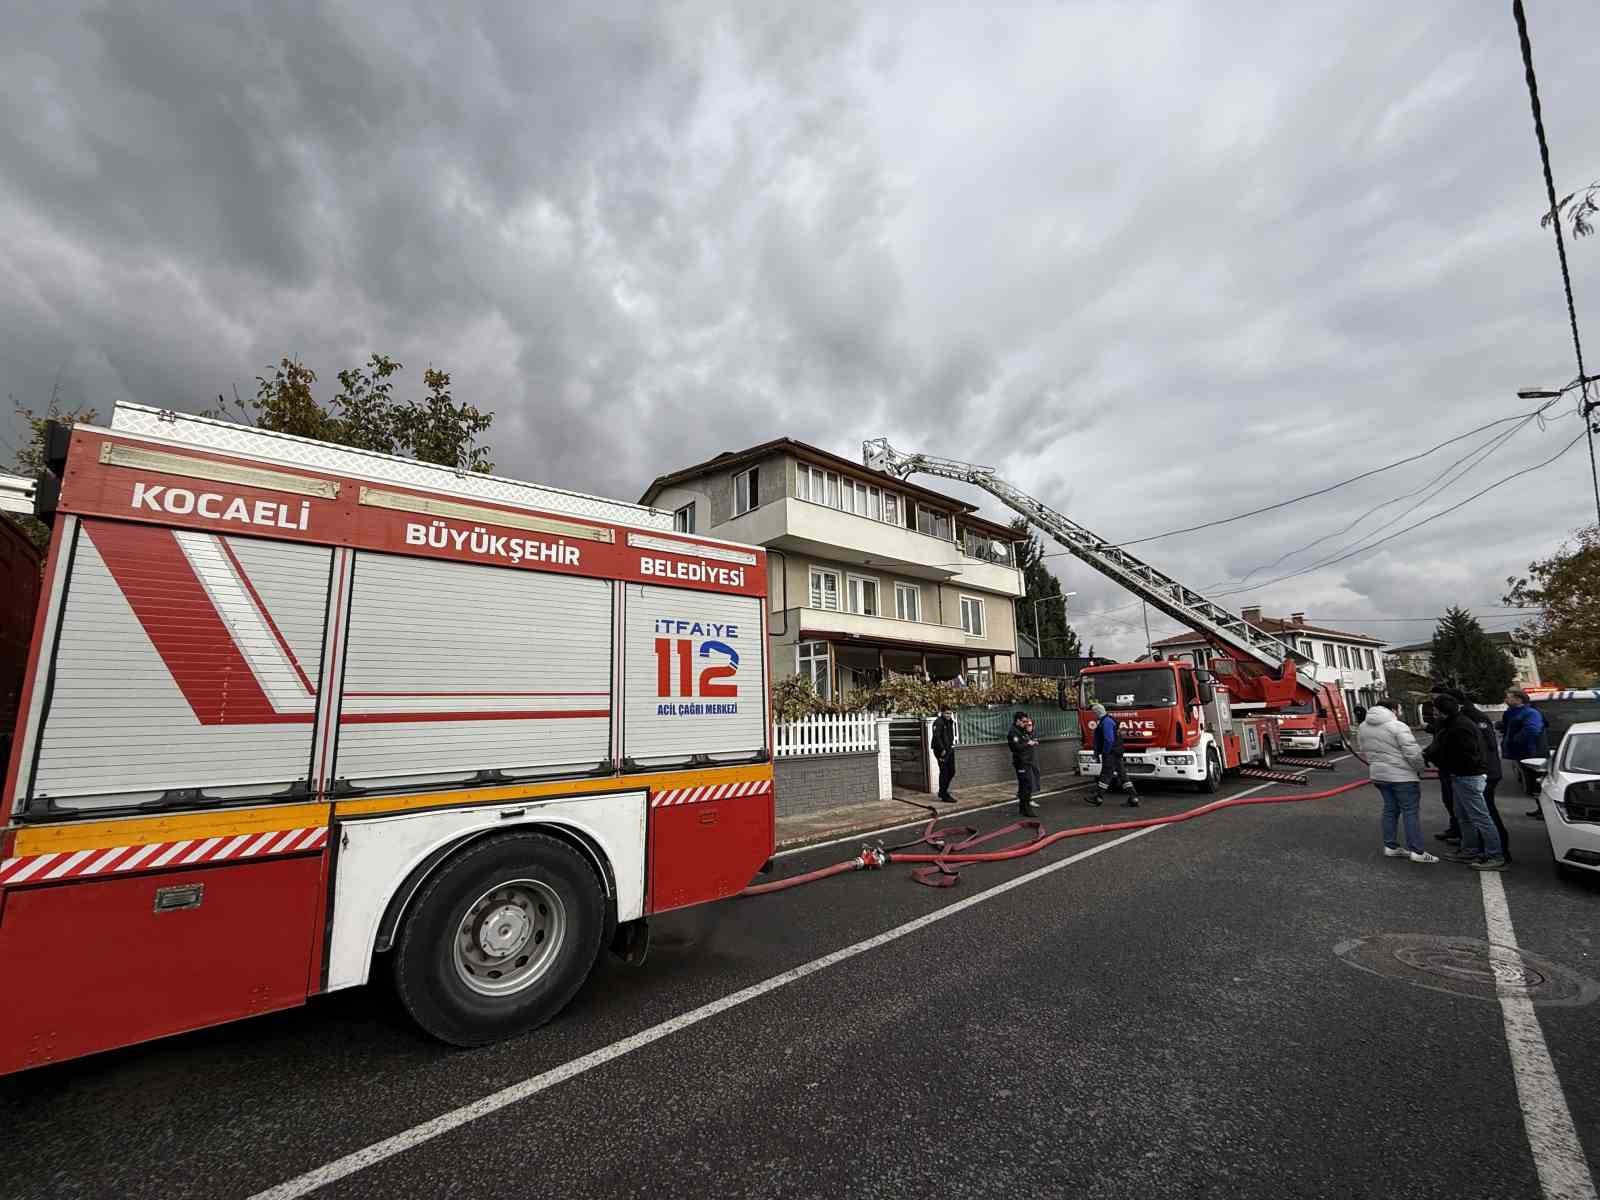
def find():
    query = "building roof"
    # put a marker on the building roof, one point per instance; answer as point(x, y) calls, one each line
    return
point(732, 459)
point(1272, 625)
point(1500, 637)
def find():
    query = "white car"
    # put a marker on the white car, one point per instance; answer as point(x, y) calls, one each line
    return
point(1570, 798)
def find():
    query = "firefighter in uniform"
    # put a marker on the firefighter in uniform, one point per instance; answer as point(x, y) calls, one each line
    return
point(1108, 745)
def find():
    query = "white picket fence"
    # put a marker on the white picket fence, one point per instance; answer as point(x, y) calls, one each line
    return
point(826, 733)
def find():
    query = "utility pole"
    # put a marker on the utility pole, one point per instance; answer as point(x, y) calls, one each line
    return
point(1145, 609)
point(1038, 630)
point(1586, 408)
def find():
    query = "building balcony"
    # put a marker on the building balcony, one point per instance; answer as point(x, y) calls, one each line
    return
point(803, 528)
point(847, 627)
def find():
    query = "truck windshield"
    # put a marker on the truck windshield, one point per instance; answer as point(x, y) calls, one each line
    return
point(1297, 710)
point(1154, 688)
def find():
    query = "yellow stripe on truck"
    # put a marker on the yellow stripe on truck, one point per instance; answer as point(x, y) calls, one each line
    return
point(368, 806)
point(68, 837)
point(171, 827)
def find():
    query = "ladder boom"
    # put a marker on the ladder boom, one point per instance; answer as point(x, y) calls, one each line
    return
point(1183, 604)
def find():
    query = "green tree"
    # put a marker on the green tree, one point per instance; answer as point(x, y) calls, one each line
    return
point(364, 413)
point(29, 459)
point(1053, 636)
point(1464, 657)
point(1565, 589)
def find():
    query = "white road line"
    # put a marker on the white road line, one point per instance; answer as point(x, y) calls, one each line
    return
point(1557, 1152)
point(401, 1142)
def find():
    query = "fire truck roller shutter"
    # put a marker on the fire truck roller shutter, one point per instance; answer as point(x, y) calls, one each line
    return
point(186, 661)
point(694, 675)
point(455, 669)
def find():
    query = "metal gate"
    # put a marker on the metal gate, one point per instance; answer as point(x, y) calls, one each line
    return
point(908, 753)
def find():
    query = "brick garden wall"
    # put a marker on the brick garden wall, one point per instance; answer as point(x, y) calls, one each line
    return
point(806, 785)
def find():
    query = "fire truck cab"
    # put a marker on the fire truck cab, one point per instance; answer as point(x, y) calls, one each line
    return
point(1178, 723)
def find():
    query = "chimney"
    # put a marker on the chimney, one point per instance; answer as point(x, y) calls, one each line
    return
point(1297, 619)
point(1253, 615)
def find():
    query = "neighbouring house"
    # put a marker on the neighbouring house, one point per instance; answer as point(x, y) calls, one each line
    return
point(1353, 661)
point(1418, 658)
point(870, 575)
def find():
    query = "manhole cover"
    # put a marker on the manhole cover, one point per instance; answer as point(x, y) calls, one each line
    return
point(1467, 967)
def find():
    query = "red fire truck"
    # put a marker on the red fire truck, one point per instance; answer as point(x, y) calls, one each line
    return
point(292, 710)
point(1182, 720)
point(1178, 722)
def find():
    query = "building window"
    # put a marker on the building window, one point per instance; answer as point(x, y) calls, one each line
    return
point(972, 615)
point(1372, 663)
point(908, 602)
point(811, 661)
point(746, 491)
point(1344, 656)
point(933, 522)
point(683, 519)
point(1329, 656)
point(824, 589)
point(874, 504)
point(891, 508)
point(861, 595)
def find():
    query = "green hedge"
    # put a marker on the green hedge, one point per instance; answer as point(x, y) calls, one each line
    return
point(794, 697)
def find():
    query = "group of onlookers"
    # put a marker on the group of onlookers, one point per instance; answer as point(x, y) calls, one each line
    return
point(1467, 751)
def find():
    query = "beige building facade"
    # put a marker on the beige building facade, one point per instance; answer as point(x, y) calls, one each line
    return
point(869, 576)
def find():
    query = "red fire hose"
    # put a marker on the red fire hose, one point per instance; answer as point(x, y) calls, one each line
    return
point(940, 868)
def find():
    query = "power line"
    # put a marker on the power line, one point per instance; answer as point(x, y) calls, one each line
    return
point(1493, 443)
point(1584, 406)
point(1332, 487)
point(1471, 459)
point(1328, 562)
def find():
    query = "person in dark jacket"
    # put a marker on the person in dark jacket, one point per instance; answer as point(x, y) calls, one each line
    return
point(1525, 737)
point(1458, 748)
point(944, 750)
point(1108, 745)
point(1493, 773)
point(1433, 721)
point(1025, 760)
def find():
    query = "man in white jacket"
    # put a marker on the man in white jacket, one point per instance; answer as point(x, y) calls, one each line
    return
point(1395, 763)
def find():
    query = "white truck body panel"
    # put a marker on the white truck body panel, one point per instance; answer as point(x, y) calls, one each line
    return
point(376, 855)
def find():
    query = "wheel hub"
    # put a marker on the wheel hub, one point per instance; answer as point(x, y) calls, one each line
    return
point(509, 936)
point(503, 931)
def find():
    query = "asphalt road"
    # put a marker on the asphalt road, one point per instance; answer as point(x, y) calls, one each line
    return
point(1165, 1017)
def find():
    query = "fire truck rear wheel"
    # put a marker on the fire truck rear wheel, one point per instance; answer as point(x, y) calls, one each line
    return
point(499, 939)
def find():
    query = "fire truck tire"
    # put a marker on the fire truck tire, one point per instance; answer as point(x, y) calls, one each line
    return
point(1269, 760)
point(1322, 746)
point(1213, 780)
point(499, 939)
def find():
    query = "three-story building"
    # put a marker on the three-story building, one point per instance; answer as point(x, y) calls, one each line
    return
point(871, 575)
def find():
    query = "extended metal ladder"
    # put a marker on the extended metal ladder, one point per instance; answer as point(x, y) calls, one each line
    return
point(1181, 603)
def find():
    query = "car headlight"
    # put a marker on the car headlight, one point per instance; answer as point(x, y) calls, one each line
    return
point(1180, 760)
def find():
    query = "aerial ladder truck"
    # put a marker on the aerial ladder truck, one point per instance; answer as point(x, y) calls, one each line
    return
point(1181, 720)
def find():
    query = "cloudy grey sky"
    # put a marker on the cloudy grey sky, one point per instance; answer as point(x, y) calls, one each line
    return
point(1157, 261)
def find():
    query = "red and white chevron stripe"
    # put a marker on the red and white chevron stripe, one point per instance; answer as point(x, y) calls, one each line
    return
point(37, 868)
point(715, 791)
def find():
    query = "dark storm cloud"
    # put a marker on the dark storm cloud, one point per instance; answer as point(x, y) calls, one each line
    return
point(1156, 262)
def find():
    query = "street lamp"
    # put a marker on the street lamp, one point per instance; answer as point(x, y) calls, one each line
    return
point(1586, 408)
point(1039, 633)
